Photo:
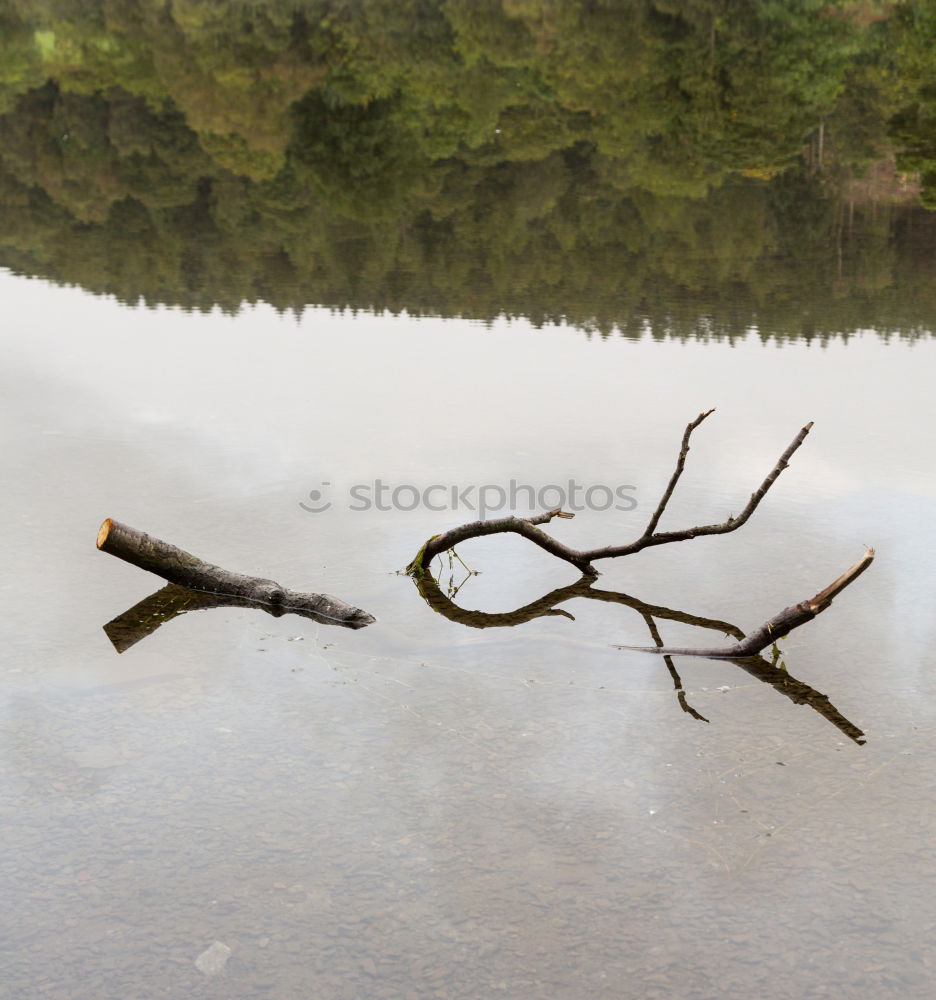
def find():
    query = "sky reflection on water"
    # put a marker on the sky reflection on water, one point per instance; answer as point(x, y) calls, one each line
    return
point(421, 809)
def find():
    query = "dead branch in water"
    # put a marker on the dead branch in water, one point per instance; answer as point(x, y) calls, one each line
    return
point(780, 625)
point(185, 570)
point(742, 650)
point(529, 528)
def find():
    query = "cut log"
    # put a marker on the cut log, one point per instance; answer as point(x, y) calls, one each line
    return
point(182, 568)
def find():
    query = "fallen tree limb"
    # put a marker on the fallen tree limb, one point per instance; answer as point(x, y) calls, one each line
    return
point(582, 560)
point(780, 625)
point(526, 526)
point(185, 570)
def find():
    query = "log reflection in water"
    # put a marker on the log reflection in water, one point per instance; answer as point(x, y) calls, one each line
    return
point(163, 605)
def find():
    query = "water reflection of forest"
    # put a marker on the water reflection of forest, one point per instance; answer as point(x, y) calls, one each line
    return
point(684, 167)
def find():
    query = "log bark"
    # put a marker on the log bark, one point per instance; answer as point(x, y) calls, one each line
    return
point(182, 568)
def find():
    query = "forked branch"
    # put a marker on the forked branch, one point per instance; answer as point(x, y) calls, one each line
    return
point(582, 560)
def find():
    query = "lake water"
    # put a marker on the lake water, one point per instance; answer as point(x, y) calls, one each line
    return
point(447, 805)
point(420, 808)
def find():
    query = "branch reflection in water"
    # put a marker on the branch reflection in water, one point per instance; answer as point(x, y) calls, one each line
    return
point(770, 671)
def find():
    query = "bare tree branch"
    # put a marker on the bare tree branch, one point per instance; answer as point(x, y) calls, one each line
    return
point(529, 527)
point(722, 528)
point(781, 624)
point(526, 526)
point(680, 465)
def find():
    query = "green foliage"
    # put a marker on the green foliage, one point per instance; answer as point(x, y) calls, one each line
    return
point(580, 160)
point(913, 127)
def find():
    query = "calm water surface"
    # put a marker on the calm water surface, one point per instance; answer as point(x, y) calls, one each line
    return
point(422, 808)
point(467, 245)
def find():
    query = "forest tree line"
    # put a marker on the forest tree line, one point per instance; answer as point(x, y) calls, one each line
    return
point(687, 166)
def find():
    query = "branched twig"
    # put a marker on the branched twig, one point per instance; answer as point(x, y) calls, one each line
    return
point(731, 524)
point(529, 526)
point(680, 465)
point(746, 646)
point(526, 526)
